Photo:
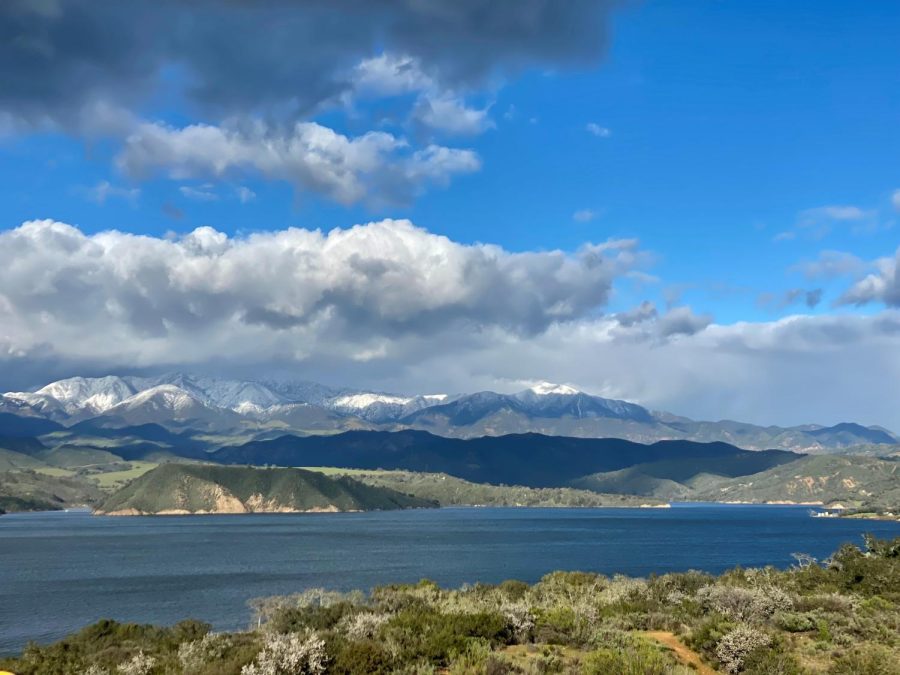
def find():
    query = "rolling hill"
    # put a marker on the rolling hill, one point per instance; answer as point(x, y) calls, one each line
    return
point(854, 482)
point(517, 459)
point(196, 488)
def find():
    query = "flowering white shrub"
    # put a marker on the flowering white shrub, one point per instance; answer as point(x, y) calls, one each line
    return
point(140, 664)
point(95, 670)
point(745, 604)
point(519, 619)
point(364, 625)
point(734, 646)
point(195, 655)
point(623, 588)
point(289, 655)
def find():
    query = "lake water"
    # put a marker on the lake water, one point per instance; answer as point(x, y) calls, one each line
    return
point(62, 571)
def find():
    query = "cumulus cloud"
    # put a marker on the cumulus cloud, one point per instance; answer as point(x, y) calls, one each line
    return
point(390, 75)
point(392, 306)
point(278, 55)
point(449, 114)
point(206, 293)
point(308, 155)
point(882, 285)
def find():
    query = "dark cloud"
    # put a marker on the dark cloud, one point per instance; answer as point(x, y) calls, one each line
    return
point(278, 56)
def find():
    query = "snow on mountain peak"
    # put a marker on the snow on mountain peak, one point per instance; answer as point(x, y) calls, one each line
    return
point(367, 399)
point(166, 396)
point(548, 388)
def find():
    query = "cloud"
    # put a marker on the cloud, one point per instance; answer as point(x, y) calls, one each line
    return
point(584, 215)
point(596, 130)
point(392, 306)
point(449, 114)
point(152, 299)
point(682, 321)
point(811, 217)
point(831, 265)
point(817, 223)
point(895, 200)
point(204, 193)
point(279, 56)
point(104, 190)
point(883, 285)
point(309, 156)
point(811, 298)
point(390, 75)
point(244, 194)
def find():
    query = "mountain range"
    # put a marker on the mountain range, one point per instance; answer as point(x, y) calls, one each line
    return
point(252, 409)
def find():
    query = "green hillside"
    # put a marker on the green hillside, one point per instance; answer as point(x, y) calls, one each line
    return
point(34, 491)
point(204, 488)
point(451, 491)
point(74, 457)
point(11, 460)
point(854, 482)
point(851, 480)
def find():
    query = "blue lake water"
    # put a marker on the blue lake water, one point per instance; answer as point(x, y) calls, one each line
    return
point(62, 571)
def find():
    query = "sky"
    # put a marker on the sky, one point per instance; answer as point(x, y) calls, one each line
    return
point(692, 205)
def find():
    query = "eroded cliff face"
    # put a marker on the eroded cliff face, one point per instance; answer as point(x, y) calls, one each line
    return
point(201, 497)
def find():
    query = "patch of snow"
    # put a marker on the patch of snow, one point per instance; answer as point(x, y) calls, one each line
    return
point(365, 400)
point(548, 389)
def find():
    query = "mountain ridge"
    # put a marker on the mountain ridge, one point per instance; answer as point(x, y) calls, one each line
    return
point(182, 401)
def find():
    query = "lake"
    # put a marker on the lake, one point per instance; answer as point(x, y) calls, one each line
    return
point(62, 571)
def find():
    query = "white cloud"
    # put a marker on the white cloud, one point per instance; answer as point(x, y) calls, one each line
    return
point(390, 75)
point(831, 265)
point(392, 306)
point(596, 130)
point(204, 193)
point(449, 114)
point(312, 157)
point(244, 194)
point(832, 212)
point(104, 190)
point(895, 199)
point(117, 295)
point(584, 215)
point(883, 285)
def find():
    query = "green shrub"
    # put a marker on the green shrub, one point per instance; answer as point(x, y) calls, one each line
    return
point(637, 659)
point(795, 622)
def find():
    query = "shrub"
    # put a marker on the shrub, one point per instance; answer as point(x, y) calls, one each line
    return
point(361, 656)
point(736, 645)
point(194, 656)
point(139, 664)
point(866, 659)
point(289, 655)
point(744, 604)
point(795, 622)
point(637, 659)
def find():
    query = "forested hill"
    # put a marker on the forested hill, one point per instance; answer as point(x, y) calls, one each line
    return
point(203, 488)
point(517, 459)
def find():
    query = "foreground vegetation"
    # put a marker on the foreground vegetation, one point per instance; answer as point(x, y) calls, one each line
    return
point(837, 617)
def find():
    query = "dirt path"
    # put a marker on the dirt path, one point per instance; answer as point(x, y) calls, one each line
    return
point(687, 657)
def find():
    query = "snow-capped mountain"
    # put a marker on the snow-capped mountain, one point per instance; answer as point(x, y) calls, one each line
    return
point(180, 394)
point(184, 401)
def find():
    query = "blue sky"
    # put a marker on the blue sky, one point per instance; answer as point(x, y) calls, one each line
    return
point(736, 142)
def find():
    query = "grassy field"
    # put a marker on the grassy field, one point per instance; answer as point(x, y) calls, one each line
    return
point(113, 480)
